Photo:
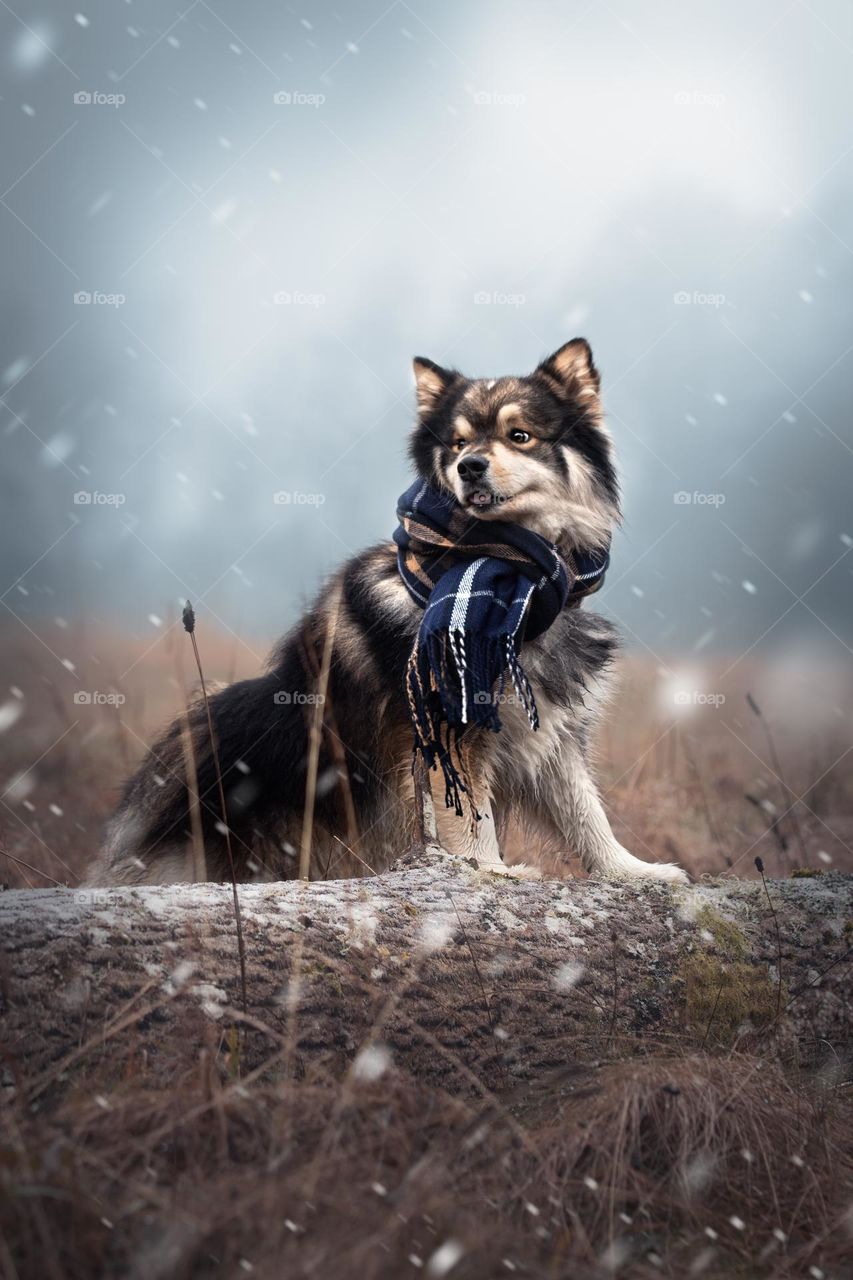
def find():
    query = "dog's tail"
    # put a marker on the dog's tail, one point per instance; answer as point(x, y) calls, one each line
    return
point(169, 825)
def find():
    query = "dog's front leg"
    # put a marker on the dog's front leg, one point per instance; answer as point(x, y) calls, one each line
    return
point(575, 809)
point(477, 841)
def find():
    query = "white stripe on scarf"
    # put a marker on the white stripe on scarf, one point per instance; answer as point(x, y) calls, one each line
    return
point(457, 624)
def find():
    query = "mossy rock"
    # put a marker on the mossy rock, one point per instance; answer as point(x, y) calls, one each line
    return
point(724, 990)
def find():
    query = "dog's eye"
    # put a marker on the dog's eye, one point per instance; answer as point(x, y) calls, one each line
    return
point(519, 437)
point(458, 444)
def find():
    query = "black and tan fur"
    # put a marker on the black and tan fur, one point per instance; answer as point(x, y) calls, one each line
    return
point(532, 450)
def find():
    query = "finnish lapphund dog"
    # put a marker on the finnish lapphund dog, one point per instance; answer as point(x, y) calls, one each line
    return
point(528, 452)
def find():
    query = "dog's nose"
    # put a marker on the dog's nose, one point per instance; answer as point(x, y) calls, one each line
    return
point(472, 467)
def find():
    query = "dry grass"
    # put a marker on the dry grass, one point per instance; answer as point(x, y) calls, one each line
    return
point(677, 1167)
point(693, 784)
point(62, 763)
point(638, 1164)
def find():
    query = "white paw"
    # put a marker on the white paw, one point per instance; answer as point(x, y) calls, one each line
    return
point(622, 865)
point(518, 871)
point(667, 872)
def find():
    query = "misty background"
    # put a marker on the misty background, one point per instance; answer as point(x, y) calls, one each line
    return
point(220, 259)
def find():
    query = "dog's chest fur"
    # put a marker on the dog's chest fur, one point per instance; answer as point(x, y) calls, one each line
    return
point(568, 667)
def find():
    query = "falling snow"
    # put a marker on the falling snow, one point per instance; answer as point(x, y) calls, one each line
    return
point(371, 1063)
point(445, 1258)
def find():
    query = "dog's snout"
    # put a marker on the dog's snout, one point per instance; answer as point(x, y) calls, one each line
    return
point(473, 467)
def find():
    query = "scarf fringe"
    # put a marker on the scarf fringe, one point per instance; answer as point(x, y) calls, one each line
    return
point(485, 588)
point(451, 684)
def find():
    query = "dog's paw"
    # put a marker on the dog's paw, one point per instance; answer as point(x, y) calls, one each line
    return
point(516, 871)
point(623, 866)
point(664, 872)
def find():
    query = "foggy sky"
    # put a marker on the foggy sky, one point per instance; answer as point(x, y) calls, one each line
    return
point(582, 166)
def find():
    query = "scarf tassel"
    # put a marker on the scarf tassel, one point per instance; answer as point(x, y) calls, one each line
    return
point(450, 682)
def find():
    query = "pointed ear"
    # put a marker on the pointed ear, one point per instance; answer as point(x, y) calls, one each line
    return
point(572, 370)
point(431, 382)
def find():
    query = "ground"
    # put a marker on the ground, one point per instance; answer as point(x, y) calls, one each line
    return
point(718, 1144)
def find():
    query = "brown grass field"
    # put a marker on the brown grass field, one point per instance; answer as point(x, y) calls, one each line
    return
point(707, 785)
point(726, 1158)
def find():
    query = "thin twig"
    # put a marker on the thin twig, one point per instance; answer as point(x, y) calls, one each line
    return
point(353, 854)
point(189, 626)
point(706, 807)
point(315, 738)
point(787, 793)
point(760, 867)
point(120, 1022)
point(713, 1015)
point(30, 867)
point(337, 751)
point(766, 806)
point(199, 860)
point(821, 972)
point(612, 1030)
point(425, 826)
point(474, 963)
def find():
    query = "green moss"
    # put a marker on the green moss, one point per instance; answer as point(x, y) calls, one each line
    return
point(723, 989)
point(805, 873)
point(728, 938)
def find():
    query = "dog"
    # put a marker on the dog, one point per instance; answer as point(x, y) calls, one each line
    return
point(333, 713)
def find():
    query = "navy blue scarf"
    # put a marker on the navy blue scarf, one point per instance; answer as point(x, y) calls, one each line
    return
point(484, 587)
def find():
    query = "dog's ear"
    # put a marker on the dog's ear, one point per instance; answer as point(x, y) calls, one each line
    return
point(571, 372)
point(431, 383)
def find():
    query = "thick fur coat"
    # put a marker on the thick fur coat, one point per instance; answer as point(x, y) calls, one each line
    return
point(533, 450)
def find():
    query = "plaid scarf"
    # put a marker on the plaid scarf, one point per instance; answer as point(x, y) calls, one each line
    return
point(484, 587)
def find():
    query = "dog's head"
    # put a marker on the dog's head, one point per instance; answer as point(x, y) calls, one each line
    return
point(531, 450)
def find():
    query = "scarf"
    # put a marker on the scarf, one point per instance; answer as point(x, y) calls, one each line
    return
point(484, 587)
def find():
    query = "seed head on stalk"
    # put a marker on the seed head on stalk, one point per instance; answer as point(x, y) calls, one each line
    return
point(188, 618)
